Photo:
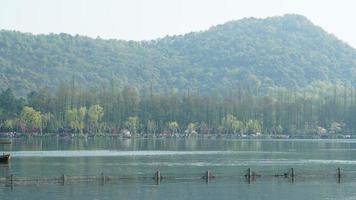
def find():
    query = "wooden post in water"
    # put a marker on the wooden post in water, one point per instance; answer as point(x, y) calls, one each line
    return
point(338, 175)
point(248, 175)
point(292, 174)
point(11, 179)
point(103, 178)
point(158, 177)
point(63, 179)
point(207, 176)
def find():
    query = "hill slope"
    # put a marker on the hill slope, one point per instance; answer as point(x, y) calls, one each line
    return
point(284, 51)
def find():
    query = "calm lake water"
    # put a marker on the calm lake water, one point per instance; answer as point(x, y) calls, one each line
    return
point(184, 161)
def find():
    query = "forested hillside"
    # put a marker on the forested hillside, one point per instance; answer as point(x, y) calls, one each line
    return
point(258, 54)
point(279, 75)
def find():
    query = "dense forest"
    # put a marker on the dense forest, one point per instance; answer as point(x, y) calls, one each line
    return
point(262, 54)
point(327, 110)
point(279, 75)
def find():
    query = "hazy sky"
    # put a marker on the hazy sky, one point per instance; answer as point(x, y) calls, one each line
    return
point(149, 19)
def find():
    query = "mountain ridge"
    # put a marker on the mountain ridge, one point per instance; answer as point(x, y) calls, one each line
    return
point(284, 51)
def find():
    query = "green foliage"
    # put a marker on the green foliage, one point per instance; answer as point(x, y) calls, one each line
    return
point(95, 113)
point(231, 125)
point(9, 124)
point(255, 54)
point(173, 126)
point(133, 124)
point(151, 126)
point(76, 118)
point(48, 121)
point(30, 118)
point(318, 109)
point(10, 106)
point(279, 75)
point(253, 126)
point(191, 128)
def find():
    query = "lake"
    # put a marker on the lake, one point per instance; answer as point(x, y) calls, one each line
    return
point(182, 163)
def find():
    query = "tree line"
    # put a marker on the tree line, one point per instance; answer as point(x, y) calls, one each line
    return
point(320, 108)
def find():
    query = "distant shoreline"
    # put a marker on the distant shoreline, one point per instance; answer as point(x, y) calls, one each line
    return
point(173, 136)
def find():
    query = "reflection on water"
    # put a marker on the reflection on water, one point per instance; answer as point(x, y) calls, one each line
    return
point(107, 153)
point(178, 158)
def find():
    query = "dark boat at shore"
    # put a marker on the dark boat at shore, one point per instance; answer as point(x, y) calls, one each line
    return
point(5, 142)
point(4, 158)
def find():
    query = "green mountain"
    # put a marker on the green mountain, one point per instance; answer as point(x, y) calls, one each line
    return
point(286, 51)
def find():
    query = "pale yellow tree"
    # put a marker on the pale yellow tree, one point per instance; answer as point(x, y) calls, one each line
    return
point(95, 113)
point(132, 123)
point(173, 126)
point(30, 118)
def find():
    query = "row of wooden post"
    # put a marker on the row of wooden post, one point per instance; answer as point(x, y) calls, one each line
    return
point(250, 175)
